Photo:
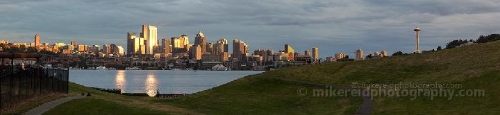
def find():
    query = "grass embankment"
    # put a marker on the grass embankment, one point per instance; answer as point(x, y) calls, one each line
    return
point(475, 67)
point(107, 103)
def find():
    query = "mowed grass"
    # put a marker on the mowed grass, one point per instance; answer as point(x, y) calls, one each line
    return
point(475, 67)
point(259, 95)
point(93, 106)
point(112, 104)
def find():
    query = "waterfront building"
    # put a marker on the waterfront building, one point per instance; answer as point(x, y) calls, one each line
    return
point(359, 54)
point(315, 54)
point(290, 52)
point(37, 40)
point(201, 40)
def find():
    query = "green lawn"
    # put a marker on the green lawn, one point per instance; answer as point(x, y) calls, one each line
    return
point(92, 106)
point(474, 67)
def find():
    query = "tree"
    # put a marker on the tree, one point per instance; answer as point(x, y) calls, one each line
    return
point(439, 48)
point(397, 53)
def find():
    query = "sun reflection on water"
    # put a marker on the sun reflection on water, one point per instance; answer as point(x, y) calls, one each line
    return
point(151, 85)
point(120, 80)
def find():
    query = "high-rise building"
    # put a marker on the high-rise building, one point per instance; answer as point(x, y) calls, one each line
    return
point(150, 35)
point(120, 51)
point(74, 43)
point(315, 53)
point(308, 53)
point(184, 40)
point(340, 55)
point(106, 49)
point(290, 51)
point(240, 49)
point(359, 54)
point(221, 46)
point(196, 52)
point(151, 39)
point(211, 49)
point(166, 45)
point(133, 43)
point(201, 40)
point(37, 40)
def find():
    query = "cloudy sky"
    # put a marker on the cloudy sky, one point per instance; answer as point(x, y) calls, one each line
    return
point(331, 25)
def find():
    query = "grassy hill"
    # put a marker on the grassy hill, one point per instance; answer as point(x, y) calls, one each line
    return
point(474, 67)
point(290, 90)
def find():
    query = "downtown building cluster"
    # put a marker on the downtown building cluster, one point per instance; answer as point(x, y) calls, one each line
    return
point(176, 51)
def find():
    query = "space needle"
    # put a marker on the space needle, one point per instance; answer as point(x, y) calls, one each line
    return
point(417, 32)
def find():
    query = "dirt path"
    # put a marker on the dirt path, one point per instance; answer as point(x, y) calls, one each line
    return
point(49, 105)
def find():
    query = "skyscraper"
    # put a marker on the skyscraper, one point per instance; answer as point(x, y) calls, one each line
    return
point(290, 51)
point(202, 41)
point(222, 45)
point(359, 54)
point(106, 49)
point(166, 45)
point(308, 53)
point(150, 35)
point(240, 49)
point(152, 40)
point(131, 46)
point(315, 53)
point(37, 40)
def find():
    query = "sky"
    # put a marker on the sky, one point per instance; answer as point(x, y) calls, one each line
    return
point(331, 25)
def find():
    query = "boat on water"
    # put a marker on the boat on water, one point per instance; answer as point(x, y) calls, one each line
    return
point(219, 67)
point(101, 68)
point(132, 68)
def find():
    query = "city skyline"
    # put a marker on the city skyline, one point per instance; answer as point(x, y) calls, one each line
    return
point(371, 26)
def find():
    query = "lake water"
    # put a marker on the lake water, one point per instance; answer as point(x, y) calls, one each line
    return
point(152, 81)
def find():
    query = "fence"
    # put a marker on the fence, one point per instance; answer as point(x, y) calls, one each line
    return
point(24, 84)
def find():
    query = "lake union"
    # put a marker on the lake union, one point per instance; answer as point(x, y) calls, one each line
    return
point(153, 81)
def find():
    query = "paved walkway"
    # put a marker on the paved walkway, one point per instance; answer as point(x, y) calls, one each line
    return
point(365, 108)
point(49, 105)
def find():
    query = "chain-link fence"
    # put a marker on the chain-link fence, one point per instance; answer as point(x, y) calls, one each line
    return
point(19, 85)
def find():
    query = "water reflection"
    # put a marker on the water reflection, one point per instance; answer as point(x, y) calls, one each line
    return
point(120, 80)
point(151, 85)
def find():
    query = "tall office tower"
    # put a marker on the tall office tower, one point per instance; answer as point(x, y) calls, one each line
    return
point(240, 49)
point(37, 40)
point(106, 49)
point(94, 49)
point(359, 54)
point(176, 44)
point(210, 48)
point(131, 46)
point(120, 51)
point(315, 53)
point(184, 40)
point(196, 52)
point(165, 43)
point(340, 55)
point(290, 51)
point(201, 40)
point(417, 34)
point(222, 45)
point(150, 35)
point(74, 44)
point(152, 40)
point(307, 53)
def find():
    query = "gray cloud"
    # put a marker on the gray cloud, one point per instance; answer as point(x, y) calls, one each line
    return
point(333, 26)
